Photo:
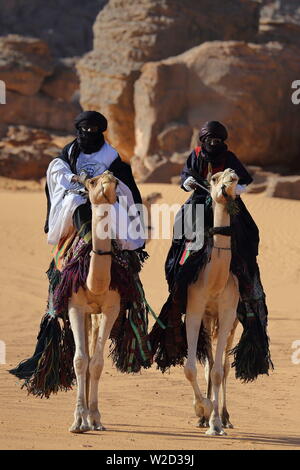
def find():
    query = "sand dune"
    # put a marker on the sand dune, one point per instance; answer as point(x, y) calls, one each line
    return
point(150, 410)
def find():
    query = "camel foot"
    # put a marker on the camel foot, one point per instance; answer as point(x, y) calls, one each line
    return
point(225, 419)
point(215, 432)
point(97, 427)
point(203, 408)
point(80, 425)
point(203, 423)
point(94, 421)
point(215, 427)
point(79, 429)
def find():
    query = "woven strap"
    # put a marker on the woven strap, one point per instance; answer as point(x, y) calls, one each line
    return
point(226, 231)
point(100, 252)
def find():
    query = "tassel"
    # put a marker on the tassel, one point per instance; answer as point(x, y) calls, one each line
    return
point(41, 372)
point(130, 348)
point(251, 355)
point(27, 368)
point(169, 347)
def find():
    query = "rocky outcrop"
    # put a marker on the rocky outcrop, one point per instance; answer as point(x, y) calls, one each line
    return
point(25, 153)
point(39, 90)
point(24, 63)
point(129, 33)
point(247, 86)
point(280, 21)
point(63, 84)
point(65, 25)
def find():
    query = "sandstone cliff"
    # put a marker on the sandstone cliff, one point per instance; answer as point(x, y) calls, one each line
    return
point(65, 25)
point(129, 33)
point(39, 90)
point(247, 86)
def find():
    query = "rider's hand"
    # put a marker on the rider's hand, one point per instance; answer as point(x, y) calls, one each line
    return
point(240, 188)
point(190, 184)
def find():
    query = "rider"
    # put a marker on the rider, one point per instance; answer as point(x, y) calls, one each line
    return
point(69, 211)
point(87, 156)
point(182, 266)
point(210, 157)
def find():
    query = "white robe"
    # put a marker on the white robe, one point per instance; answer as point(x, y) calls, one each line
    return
point(64, 203)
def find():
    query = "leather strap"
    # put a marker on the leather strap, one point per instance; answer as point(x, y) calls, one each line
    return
point(226, 231)
point(100, 252)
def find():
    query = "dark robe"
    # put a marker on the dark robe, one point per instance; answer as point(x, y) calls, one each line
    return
point(251, 355)
point(246, 234)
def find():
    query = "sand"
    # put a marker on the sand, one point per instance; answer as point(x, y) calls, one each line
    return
point(149, 410)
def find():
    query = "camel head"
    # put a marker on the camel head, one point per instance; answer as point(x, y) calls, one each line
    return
point(102, 188)
point(222, 184)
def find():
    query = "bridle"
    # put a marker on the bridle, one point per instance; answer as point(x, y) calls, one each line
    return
point(225, 230)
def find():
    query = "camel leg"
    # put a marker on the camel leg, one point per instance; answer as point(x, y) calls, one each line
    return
point(202, 405)
point(77, 320)
point(225, 415)
point(227, 314)
point(110, 313)
point(209, 362)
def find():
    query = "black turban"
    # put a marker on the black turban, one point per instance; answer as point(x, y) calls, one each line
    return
point(213, 129)
point(92, 118)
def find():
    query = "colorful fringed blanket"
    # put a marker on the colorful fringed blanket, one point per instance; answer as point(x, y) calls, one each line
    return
point(50, 369)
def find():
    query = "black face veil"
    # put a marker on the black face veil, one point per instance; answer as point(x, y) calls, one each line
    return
point(213, 129)
point(90, 141)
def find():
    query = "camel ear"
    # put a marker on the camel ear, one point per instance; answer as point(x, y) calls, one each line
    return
point(89, 183)
point(86, 183)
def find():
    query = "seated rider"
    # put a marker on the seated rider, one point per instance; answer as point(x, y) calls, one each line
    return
point(213, 156)
point(68, 226)
point(87, 156)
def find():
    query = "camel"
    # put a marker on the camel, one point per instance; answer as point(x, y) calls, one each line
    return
point(213, 299)
point(85, 308)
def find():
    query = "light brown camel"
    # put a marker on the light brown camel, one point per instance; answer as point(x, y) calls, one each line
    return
point(213, 298)
point(89, 303)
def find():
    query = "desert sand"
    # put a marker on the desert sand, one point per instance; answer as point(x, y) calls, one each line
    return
point(149, 410)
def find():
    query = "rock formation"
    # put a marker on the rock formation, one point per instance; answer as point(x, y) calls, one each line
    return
point(247, 86)
point(280, 21)
point(25, 153)
point(65, 25)
point(129, 33)
point(39, 90)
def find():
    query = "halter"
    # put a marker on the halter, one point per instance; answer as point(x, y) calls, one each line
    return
point(225, 230)
point(101, 253)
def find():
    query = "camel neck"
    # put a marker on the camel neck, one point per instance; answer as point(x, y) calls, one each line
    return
point(98, 279)
point(221, 219)
point(100, 239)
